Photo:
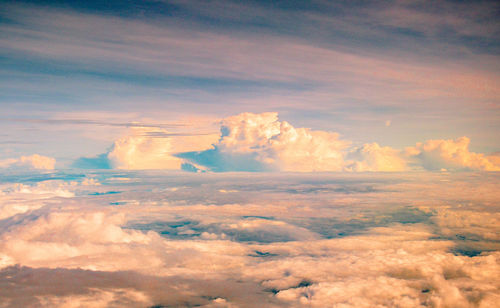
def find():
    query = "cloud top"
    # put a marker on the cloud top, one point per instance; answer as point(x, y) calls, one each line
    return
point(279, 145)
point(451, 154)
point(31, 162)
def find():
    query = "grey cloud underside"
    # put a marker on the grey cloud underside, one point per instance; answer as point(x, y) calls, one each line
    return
point(59, 282)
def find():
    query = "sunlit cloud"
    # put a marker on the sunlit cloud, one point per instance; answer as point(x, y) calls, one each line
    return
point(451, 154)
point(260, 142)
point(174, 246)
point(34, 161)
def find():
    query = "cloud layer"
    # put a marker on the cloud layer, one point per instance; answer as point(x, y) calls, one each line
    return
point(229, 240)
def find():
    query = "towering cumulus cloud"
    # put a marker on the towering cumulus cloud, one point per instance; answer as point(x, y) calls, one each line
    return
point(261, 142)
point(31, 162)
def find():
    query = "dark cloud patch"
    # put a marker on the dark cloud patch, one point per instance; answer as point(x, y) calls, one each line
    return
point(333, 227)
point(182, 229)
point(22, 286)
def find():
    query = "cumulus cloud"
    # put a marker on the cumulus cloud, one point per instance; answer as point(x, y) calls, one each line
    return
point(141, 152)
point(147, 148)
point(260, 142)
point(429, 155)
point(451, 154)
point(373, 157)
point(33, 162)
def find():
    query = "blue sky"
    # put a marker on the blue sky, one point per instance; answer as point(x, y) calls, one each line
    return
point(430, 70)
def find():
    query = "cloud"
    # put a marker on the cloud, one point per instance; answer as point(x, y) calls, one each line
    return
point(259, 142)
point(35, 161)
point(264, 240)
point(452, 155)
point(140, 152)
point(34, 196)
point(373, 157)
point(147, 148)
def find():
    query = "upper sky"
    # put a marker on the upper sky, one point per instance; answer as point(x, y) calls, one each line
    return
point(75, 75)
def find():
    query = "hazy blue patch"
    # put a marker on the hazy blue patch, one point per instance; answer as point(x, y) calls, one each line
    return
point(35, 177)
point(217, 161)
point(104, 193)
point(259, 217)
point(332, 227)
point(118, 203)
point(171, 229)
point(99, 162)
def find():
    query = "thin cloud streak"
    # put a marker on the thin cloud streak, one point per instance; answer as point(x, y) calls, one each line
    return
point(136, 45)
point(92, 122)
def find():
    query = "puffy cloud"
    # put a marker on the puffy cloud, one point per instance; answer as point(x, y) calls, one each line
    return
point(148, 148)
point(142, 152)
point(451, 154)
point(373, 157)
point(261, 142)
point(19, 198)
point(34, 161)
point(430, 155)
point(275, 240)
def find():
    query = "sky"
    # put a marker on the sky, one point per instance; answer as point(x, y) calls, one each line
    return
point(249, 154)
point(77, 75)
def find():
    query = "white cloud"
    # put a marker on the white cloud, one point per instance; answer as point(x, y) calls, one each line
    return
point(21, 198)
point(147, 148)
point(450, 154)
point(260, 142)
point(373, 157)
point(263, 141)
point(267, 247)
point(34, 161)
point(142, 152)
